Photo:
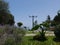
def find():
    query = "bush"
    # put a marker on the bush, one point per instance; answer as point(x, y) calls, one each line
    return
point(1, 32)
point(10, 34)
point(40, 37)
point(18, 34)
point(57, 32)
point(10, 41)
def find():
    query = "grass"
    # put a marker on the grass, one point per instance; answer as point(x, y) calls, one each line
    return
point(27, 40)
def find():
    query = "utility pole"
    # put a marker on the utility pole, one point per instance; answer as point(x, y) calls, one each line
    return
point(33, 20)
point(35, 23)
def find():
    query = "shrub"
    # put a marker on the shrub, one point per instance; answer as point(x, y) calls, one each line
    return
point(57, 32)
point(40, 37)
point(18, 34)
point(10, 41)
point(10, 34)
point(1, 32)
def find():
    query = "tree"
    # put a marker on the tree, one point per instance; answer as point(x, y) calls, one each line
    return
point(19, 24)
point(4, 7)
point(41, 36)
point(45, 24)
point(25, 27)
point(5, 16)
point(11, 19)
point(35, 27)
point(48, 19)
point(57, 18)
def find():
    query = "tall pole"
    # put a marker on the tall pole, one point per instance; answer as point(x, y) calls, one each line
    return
point(33, 20)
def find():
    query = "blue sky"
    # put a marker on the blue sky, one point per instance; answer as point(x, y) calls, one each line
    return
point(22, 9)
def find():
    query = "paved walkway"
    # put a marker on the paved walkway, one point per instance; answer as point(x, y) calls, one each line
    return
point(30, 34)
point(48, 33)
point(36, 34)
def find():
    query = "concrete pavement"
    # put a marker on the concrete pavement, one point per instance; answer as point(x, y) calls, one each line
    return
point(36, 34)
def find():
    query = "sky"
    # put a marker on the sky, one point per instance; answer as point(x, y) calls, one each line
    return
point(22, 9)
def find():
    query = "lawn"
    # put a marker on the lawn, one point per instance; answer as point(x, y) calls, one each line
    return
point(28, 40)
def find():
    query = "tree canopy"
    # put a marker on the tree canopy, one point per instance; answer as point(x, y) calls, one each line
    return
point(5, 16)
point(19, 24)
point(57, 18)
